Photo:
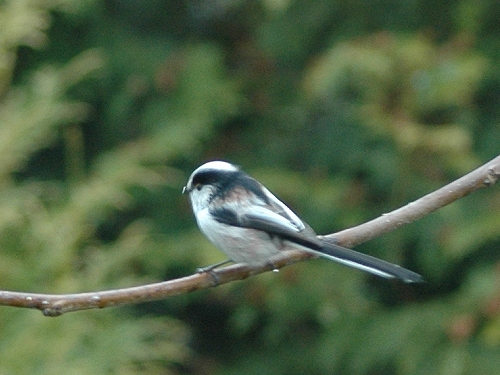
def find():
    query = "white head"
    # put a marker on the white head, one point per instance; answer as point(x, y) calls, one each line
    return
point(216, 165)
point(205, 181)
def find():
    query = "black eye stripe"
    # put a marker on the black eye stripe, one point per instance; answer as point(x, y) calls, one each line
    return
point(225, 181)
point(208, 177)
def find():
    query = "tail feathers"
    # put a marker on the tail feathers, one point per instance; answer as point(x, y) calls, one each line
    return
point(367, 263)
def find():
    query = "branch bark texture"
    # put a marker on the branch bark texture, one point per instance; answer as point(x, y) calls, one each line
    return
point(55, 305)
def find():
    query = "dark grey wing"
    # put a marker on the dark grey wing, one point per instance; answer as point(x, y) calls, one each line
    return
point(277, 206)
point(263, 219)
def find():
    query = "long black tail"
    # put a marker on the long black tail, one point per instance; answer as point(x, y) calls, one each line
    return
point(367, 263)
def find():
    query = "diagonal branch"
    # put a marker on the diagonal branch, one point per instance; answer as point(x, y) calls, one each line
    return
point(55, 305)
point(484, 176)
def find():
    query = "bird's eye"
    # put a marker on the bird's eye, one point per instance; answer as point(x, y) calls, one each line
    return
point(198, 187)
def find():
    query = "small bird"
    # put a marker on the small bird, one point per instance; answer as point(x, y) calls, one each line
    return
point(250, 225)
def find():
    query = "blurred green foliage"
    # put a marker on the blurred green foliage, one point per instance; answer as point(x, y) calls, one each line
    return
point(345, 109)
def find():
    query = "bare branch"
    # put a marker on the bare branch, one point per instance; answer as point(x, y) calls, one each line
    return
point(58, 304)
point(484, 176)
point(55, 305)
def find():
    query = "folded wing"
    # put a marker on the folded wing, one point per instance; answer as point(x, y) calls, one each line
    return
point(273, 223)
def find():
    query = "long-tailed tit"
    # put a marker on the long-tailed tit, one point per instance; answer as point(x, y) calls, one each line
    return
point(250, 225)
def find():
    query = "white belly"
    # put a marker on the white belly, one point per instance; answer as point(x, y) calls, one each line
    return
point(241, 245)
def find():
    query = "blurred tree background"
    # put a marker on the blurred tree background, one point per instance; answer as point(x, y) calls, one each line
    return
point(344, 109)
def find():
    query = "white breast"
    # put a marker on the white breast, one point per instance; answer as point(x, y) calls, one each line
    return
point(241, 245)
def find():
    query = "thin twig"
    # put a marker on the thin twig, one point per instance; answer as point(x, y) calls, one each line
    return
point(55, 305)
